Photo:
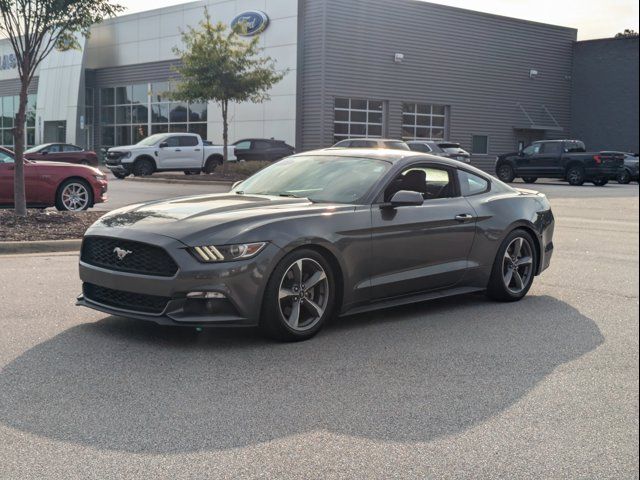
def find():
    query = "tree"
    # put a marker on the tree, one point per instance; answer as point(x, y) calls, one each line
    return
point(218, 65)
point(628, 33)
point(34, 28)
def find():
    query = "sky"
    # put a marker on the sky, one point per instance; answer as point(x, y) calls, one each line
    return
point(592, 18)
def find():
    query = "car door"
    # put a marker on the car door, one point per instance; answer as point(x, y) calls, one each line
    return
point(421, 248)
point(190, 152)
point(6, 178)
point(551, 159)
point(168, 149)
point(260, 150)
point(526, 160)
point(242, 149)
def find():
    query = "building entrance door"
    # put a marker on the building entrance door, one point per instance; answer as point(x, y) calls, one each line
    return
point(55, 132)
point(527, 137)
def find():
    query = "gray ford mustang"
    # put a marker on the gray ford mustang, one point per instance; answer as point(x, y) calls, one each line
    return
point(319, 234)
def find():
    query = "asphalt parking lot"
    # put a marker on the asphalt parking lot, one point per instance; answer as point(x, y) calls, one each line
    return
point(457, 388)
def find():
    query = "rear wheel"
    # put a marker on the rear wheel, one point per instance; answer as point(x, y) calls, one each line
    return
point(74, 195)
point(143, 168)
point(212, 164)
point(600, 182)
point(192, 172)
point(624, 177)
point(299, 297)
point(120, 175)
point(506, 173)
point(513, 268)
point(575, 175)
point(529, 179)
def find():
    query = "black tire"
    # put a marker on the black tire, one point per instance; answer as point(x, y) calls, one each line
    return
point(212, 164)
point(575, 175)
point(120, 175)
point(530, 179)
point(192, 172)
point(600, 182)
point(497, 288)
point(624, 177)
point(64, 206)
point(272, 319)
point(506, 173)
point(143, 167)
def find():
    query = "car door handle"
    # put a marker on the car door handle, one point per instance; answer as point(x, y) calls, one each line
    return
point(464, 217)
point(178, 150)
point(196, 149)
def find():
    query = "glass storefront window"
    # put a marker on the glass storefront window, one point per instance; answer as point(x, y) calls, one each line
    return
point(8, 110)
point(125, 119)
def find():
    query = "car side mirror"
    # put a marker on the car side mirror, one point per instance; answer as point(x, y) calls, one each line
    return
point(404, 198)
point(163, 145)
point(44, 152)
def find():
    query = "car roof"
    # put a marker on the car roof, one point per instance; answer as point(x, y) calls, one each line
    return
point(389, 155)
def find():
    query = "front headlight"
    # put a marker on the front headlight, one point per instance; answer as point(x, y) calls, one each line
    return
point(100, 176)
point(227, 253)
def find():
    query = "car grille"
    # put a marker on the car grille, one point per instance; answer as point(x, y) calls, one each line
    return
point(113, 158)
point(125, 300)
point(140, 258)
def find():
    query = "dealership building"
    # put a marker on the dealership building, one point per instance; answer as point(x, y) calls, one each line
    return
point(354, 68)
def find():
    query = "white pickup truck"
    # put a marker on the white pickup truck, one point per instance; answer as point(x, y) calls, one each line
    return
point(166, 152)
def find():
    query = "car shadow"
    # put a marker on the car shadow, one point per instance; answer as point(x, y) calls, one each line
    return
point(409, 374)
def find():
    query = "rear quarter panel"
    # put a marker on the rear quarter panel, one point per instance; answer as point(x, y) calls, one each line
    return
point(498, 214)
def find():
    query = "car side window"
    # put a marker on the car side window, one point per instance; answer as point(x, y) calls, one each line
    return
point(243, 145)
point(5, 158)
point(363, 144)
point(70, 148)
point(554, 148)
point(52, 149)
point(471, 184)
point(420, 147)
point(432, 182)
point(188, 141)
point(532, 149)
point(173, 141)
point(261, 145)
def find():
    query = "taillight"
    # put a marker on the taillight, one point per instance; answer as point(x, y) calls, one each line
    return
point(598, 159)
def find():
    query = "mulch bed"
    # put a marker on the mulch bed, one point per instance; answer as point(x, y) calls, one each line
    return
point(45, 225)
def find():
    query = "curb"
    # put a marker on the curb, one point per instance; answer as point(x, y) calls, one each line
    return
point(40, 246)
point(175, 180)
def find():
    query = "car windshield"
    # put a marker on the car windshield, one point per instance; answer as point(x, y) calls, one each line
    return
point(152, 140)
point(323, 178)
point(34, 149)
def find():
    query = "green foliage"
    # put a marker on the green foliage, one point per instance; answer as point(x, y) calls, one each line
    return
point(628, 33)
point(219, 65)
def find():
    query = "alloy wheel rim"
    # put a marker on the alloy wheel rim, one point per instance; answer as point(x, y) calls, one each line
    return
point(505, 172)
point(574, 175)
point(303, 295)
point(517, 265)
point(75, 197)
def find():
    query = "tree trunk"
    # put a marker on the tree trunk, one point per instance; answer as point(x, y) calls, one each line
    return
point(225, 134)
point(19, 197)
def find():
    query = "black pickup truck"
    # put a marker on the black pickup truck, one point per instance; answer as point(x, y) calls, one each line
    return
point(564, 159)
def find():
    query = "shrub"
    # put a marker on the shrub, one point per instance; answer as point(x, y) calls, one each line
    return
point(245, 169)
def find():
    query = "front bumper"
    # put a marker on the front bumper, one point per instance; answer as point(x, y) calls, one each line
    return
point(242, 284)
point(100, 188)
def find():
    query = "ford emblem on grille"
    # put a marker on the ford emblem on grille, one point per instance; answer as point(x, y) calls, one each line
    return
point(121, 252)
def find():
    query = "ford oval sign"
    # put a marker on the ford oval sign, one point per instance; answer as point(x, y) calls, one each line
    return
point(250, 23)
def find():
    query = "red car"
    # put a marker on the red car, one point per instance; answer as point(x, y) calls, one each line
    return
point(67, 187)
point(62, 152)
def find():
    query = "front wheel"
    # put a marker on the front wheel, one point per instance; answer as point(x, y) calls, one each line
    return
point(530, 179)
point(299, 297)
point(506, 173)
point(513, 268)
point(120, 175)
point(143, 168)
point(74, 196)
point(624, 177)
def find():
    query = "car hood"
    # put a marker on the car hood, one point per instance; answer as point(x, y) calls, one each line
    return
point(43, 165)
point(126, 148)
point(216, 218)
